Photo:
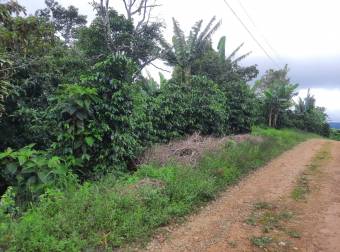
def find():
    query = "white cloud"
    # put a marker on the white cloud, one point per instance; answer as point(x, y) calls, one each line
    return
point(304, 28)
point(300, 31)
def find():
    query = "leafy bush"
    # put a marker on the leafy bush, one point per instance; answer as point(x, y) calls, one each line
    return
point(183, 108)
point(75, 114)
point(208, 112)
point(335, 134)
point(307, 116)
point(104, 121)
point(169, 111)
point(121, 113)
point(31, 172)
point(314, 121)
point(243, 106)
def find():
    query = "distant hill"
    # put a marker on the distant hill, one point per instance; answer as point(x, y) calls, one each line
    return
point(335, 125)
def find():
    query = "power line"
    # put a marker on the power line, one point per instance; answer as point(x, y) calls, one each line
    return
point(254, 24)
point(250, 33)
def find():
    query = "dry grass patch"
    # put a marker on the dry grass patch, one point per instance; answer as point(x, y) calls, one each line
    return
point(189, 150)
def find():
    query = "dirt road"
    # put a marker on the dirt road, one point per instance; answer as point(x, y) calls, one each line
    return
point(259, 214)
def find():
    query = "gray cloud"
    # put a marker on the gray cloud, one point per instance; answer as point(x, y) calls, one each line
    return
point(308, 73)
point(322, 75)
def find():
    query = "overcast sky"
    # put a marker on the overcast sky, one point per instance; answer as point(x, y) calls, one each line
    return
point(302, 33)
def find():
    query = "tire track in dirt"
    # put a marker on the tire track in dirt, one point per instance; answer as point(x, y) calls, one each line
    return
point(320, 215)
point(222, 221)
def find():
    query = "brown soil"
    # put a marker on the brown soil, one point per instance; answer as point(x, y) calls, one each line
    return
point(188, 150)
point(319, 216)
point(220, 226)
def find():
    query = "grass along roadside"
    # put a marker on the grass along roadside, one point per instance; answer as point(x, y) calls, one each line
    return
point(111, 213)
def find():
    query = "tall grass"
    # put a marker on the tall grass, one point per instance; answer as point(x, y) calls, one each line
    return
point(111, 213)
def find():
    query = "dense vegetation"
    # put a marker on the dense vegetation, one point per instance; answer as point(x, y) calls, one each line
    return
point(111, 212)
point(76, 112)
point(335, 134)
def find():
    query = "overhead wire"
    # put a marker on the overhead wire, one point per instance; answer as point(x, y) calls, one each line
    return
point(251, 34)
point(256, 27)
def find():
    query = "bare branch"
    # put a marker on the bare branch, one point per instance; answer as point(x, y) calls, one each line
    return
point(140, 8)
point(144, 15)
point(159, 68)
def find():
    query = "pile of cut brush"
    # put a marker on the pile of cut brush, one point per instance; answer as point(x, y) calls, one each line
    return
point(188, 151)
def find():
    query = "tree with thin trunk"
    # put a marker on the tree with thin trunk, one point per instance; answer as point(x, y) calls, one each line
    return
point(277, 93)
point(144, 36)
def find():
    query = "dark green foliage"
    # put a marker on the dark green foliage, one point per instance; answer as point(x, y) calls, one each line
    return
point(75, 116)
point(276, 93)
point(118, 125)
point(92, 40)
point(185, 108)
point(186, 50)
point(65, 21)
point(36, 63)
point(115, 111)
point(208, 112)
point(169, 111)
point(243, 106)
point(32, 84)
point(31, 172)
point(307, 116)
point(314, 120)
point(335, 134)
point(5, 65)
point(142, 45)
point(219, 68)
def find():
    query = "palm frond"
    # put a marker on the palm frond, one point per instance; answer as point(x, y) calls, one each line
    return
point(221, 47)
point(234, 52)
point(238, 59)
point(193, 37)
point(213, 30)
point(179, 43)
point(203, 40)
point(167, 53)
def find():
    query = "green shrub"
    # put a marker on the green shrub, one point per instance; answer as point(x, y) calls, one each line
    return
point(335, 134)
point(121, 116)
point(183, 108)
point(208, 112)
point(241, 101)
point(75, 114)
point(104, 122)
point(31, 172)
point(169, 111)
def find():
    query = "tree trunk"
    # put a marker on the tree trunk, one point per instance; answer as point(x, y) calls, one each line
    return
point(275, 119)
point(187, 74)
point(270, 118)
point(104, 15)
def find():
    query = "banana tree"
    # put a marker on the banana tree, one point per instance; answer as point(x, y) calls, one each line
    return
point(185, 50)
point(278, 98)
point(221, 47)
